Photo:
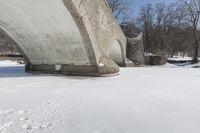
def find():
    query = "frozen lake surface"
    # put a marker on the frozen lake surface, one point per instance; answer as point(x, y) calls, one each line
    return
point(139, 100)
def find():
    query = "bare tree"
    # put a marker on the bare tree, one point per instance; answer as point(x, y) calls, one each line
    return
point(146, 19)
point(180, 15)
point(161, 14)
point(130, 29)
point(173, 28)
point(120, 9)
point(193, 10)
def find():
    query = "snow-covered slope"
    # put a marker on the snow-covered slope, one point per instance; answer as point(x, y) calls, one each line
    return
point(139, 100)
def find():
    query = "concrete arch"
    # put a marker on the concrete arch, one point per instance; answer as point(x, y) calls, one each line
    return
point(62, 36)
point(117, 53)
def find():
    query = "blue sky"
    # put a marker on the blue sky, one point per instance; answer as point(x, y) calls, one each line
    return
point(136, 4)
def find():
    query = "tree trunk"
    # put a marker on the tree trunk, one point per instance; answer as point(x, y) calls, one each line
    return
point(196, 53)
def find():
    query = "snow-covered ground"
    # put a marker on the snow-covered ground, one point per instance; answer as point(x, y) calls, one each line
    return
point(139, 100)
point(179, 58)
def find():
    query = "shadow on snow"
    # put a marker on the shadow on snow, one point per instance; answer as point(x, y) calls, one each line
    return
point(19, 71)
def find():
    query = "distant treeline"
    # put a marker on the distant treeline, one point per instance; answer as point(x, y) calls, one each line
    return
point(7, 48)
point(167, 29)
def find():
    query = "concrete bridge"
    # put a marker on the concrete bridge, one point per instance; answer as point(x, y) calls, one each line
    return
point(73, 37)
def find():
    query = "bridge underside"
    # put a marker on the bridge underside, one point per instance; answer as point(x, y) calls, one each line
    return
point(73, 37)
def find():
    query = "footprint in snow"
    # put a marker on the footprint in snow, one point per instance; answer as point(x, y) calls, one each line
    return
point(27, 126)
point(5, 126)
point(39, 126)
point(23, 118)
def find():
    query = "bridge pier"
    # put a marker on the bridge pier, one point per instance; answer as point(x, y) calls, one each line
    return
point(106, 68)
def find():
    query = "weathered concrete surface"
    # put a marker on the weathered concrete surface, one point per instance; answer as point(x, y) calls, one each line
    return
point(135, 50)
point(76, 37)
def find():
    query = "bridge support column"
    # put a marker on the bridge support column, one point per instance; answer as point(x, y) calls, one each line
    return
point(106, 68)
